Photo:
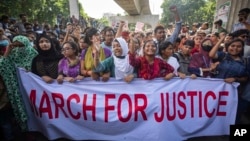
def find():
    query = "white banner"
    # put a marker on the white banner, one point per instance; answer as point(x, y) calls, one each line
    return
point(145, 110)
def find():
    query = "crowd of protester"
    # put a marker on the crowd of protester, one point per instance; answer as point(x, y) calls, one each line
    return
point(68, 53)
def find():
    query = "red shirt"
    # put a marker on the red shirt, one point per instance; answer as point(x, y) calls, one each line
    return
point(159, 68)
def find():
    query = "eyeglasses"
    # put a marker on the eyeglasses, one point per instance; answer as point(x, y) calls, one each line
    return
point(244, 36)
point(65, 49)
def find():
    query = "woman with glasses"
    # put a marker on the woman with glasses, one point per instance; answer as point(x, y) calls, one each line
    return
point(69, 66)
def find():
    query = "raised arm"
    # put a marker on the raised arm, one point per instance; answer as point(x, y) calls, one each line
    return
point(69, 29)
point(212, 53)
point(176, 14)
point(119, 30)
point(133, 61)
point(177, 29)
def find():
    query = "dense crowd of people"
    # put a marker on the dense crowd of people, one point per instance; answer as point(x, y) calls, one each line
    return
point(70, 54)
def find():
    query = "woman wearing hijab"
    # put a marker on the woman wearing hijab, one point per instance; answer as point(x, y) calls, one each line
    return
point(19, 53)
point(45, 64)
point(201, 64)
point(118, 64)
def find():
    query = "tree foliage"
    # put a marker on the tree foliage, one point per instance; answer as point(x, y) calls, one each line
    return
point(190, 11)
point(41, 10)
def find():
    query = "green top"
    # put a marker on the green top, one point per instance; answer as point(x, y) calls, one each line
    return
point(108, 65)
point(18, 57)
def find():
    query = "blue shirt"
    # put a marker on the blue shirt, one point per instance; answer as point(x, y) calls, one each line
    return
point(229, 67)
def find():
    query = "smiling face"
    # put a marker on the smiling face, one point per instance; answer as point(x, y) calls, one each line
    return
point(235, 48)
point(149, 48)
point(117, 49)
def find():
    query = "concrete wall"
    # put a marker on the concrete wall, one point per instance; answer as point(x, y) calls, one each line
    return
point(236, 5)
point(151, 20)
point(135, 7)
point(73, 8)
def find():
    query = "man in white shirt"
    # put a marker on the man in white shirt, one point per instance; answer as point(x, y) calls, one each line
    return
point(243, 22)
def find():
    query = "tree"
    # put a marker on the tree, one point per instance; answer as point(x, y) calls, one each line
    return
point(190, 11)
point(41, 10)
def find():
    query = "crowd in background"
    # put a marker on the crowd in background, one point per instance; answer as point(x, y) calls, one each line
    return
point(67, 52)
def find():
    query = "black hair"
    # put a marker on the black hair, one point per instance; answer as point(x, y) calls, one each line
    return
point(182, 36)
point(90, 32)
point(165, 44)
point(108, 29)
point(178, 40)
point(50, 54)
point(245, 10)
point(148, 42)
point(86, 30)
point(21, 15)
point(236, 40)
point(27, 23)
point(237, 33)
point(158, 27)
point(4, 17)
point(73, 45)
point(189, 43)
point(216, 34)
point(219, 22)
point(230, 34)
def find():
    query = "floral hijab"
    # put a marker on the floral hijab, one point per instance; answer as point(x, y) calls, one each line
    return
point(22, 56)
